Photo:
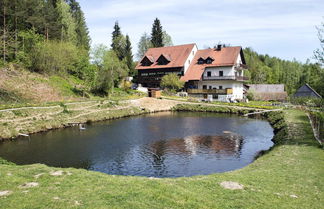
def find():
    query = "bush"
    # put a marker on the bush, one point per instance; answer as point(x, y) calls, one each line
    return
point(110, 74)
point(56, 57)
point(308, 101)
point(172, 81)
point(250, 95)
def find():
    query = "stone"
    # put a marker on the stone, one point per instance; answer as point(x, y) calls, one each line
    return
point(231, 185)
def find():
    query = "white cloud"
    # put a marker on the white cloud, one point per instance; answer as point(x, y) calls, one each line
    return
point(259, 24)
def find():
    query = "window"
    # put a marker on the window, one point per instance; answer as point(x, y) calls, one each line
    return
point(163, 60)
point(210, 87)
point(208, 74)
point(204, 86)
point(147, 61)
point(189, 62)
point(209, 61)
point(220, 87)
point(200, 61)
point(220, 73)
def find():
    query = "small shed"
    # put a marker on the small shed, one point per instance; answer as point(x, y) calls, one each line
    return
point(268, 92)
point(307, 91)
point(154, 92)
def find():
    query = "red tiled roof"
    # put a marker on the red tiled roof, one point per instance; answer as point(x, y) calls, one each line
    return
point(176, 54)
point(225, 57)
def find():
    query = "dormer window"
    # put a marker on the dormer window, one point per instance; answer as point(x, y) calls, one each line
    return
point(147, 61)
point(209, 60)
point(201, 61)
point(163, 59)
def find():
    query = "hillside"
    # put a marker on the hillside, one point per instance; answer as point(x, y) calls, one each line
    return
point(21, 86)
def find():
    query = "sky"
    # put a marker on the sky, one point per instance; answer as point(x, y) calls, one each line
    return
point(281, 28)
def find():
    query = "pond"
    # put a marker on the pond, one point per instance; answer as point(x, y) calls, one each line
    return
point(167, 144)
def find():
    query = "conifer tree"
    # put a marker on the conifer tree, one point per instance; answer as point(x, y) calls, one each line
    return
point(115, 34)
point(157, 34)
point(82, 32)
point(118, 42)
point(129, 56)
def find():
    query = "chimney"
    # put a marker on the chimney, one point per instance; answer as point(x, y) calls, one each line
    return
point(219, 47)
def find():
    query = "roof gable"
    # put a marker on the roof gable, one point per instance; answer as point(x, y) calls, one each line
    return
point(307, 91)
point(176, 55)
point(227, 56)
point(147, 61)
point(163, 59)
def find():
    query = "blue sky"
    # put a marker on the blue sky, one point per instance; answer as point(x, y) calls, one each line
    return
point(281, 28)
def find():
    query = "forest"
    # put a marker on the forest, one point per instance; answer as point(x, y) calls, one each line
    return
point(52, 37)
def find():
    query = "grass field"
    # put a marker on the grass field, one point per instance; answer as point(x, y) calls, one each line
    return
point(289, 176)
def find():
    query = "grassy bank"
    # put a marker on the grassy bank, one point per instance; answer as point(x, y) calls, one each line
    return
point(289, 176)
point(33, 120)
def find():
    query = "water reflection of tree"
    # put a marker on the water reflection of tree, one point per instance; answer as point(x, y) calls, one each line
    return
point(228, 144)
point(158, 152)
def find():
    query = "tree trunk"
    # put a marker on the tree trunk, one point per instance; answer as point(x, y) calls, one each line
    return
point(16, 31)
point(46, 33)
point(4, 33)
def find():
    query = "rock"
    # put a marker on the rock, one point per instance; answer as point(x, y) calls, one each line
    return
point(231, 185)
point(56, 173)
point(293, 196)
point(77, 202)
point(29, 185)
point(5, 193)
point(38, 175)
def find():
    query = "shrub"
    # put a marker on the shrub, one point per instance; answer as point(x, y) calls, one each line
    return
point(56, 57)
point(308, 101)
point(250, 95)
point(172, 81)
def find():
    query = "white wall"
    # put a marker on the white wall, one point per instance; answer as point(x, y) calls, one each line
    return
point(190, 58)
point(227, 71)
point(238, 62)
point(236, 86)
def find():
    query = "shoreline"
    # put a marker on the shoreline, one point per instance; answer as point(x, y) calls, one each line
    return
point(28, 121)
point(286, 176)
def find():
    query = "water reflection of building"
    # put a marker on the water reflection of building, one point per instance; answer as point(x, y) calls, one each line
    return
point(228, 144)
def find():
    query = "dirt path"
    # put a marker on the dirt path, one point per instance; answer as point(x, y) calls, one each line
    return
point(154, 105)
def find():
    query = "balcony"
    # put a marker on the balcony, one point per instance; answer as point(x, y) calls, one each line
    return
point(234, 78)
point(210, 91)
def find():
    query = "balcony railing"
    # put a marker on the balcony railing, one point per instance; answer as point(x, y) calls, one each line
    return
point(236, 78)
point(210, 91)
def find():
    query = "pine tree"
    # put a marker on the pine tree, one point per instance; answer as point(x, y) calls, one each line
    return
point(118, 42)
point(157, 34)
point(129, 56)
point(115, 34)
point(83, 38)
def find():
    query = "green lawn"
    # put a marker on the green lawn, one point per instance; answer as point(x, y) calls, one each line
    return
point(289, 176)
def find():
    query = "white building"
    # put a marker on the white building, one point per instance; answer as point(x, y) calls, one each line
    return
point(217, 72)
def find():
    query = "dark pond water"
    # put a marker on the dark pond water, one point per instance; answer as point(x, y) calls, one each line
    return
point(159, 145)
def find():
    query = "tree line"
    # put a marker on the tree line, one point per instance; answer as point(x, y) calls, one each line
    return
point(272, 70)
point(116, 62)
point(51, 36)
